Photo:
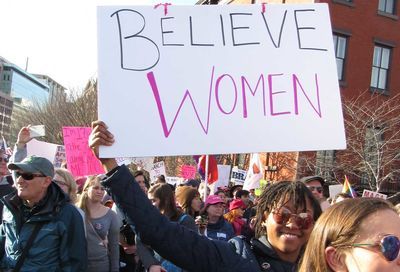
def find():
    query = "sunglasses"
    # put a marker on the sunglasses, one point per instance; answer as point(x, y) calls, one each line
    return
point(315, 188)
point(303, 220)
point(389, 246)
point(28, 176)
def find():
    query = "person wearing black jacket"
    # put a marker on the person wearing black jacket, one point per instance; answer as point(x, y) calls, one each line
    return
point(284, 220)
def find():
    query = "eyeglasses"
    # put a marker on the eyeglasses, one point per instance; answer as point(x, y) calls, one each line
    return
point(315, 188)
point(28, 176)
point(389, 246)
point(303, 220)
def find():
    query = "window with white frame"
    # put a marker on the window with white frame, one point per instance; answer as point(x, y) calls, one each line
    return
point(380, 67)
point(387, 6)
point(340, 43)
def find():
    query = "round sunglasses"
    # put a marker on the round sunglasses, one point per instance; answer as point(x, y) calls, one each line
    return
point(389, 246)
point(303, 220)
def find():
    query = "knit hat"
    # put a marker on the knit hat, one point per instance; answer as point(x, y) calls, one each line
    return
point(236, 203)
point(184, 195)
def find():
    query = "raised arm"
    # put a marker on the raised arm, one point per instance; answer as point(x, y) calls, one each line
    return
point(184, 247)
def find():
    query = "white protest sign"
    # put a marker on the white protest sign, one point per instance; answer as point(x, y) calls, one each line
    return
point(335, 189)
point(238, 176)
point(174, 180)
point(368, 193)
point(201, 71)
point(42, 149)
point(157, 170)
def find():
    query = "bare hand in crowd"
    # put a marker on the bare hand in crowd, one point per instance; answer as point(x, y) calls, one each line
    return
point(24, 136)
point(201, 222)
point(157, 268)
point(101, 136)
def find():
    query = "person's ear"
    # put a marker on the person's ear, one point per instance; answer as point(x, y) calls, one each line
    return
point(47, 181)
point(335, 260)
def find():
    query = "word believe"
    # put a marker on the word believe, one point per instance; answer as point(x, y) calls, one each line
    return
point(233, 31)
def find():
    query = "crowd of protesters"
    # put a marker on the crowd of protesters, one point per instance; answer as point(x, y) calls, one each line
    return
point(121, 222)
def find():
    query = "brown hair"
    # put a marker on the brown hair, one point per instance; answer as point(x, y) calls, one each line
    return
point(184, 197)
point(167, 205)
point(339, 227)
point(70, 182)
point(83, 198)
point(232, 215)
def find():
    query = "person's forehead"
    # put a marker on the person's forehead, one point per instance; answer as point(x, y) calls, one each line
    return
point(288, 202)
point(139, 178)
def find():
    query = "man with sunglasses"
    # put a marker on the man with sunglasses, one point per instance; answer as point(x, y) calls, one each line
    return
point(316, 186)
point(40, 206)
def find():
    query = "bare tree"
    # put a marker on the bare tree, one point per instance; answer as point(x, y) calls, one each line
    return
point(372, 123)
point(79, 109)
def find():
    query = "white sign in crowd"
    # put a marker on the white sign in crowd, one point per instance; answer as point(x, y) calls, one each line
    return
point(218, 79)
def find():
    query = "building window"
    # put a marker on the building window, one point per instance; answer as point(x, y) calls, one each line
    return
point(340, 44)
point(386, 6)
point(380, 67)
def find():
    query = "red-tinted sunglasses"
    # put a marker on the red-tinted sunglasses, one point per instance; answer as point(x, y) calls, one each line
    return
point(303, 220)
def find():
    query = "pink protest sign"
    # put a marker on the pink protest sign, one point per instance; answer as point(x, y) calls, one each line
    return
point(80, 159)
point(188, 171)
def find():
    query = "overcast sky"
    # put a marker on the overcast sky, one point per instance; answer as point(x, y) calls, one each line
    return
point(58, 37)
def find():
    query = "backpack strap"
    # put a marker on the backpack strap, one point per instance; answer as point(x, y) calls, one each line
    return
point(28, 245)
point(183, 216)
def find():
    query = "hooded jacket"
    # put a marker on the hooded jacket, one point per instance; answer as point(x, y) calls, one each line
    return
point(185, 248)
point(60, 244)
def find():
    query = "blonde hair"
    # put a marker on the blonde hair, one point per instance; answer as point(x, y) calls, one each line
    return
point(232, 215)
point(339, 227)
point(70, 182)
point(83, 198)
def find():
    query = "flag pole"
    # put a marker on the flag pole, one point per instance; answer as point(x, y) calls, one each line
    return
point(206, 179)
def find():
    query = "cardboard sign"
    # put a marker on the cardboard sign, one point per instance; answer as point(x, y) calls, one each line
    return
point(200, 71)
point(368, 193)
point(80, 159)
point(238, 176)
point(157, 170)
point(188, 171)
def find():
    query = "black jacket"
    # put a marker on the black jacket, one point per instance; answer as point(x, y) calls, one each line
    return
point(185, 248)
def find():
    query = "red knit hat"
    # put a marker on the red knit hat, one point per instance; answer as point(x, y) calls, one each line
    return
point(236, 203)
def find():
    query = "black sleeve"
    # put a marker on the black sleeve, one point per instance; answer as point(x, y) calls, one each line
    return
point(184, 247)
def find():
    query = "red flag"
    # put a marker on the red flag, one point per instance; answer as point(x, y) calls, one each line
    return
point(212, 168)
